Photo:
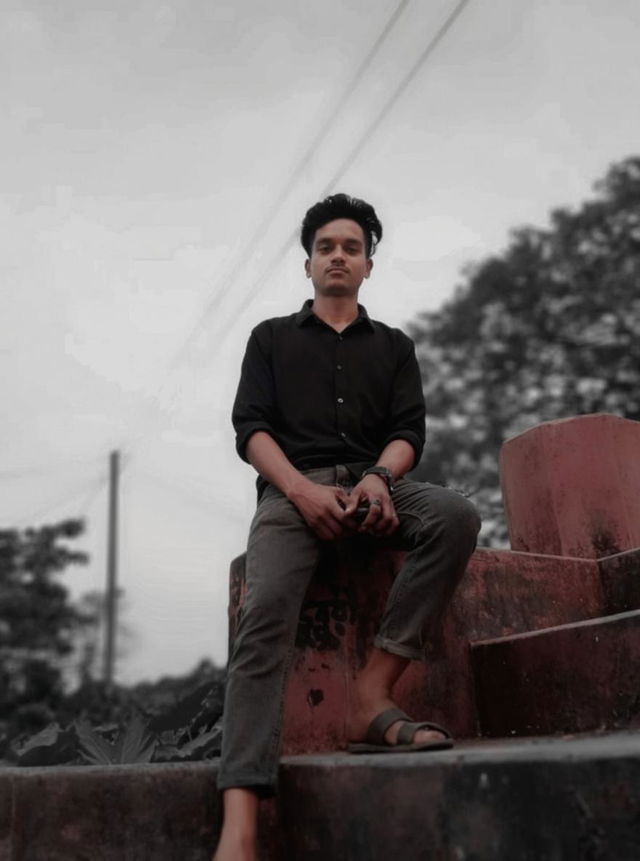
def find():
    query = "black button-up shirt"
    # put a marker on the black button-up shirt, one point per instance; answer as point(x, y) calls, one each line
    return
point(329, 398)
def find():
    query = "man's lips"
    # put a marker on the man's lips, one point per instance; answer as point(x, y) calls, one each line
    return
point(336, 270)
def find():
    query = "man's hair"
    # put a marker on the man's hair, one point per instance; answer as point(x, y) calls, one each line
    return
point(342, 206)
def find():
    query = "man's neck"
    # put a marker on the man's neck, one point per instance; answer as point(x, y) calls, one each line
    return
point(336, 311)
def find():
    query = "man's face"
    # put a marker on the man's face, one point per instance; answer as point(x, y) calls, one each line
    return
point(338, 261)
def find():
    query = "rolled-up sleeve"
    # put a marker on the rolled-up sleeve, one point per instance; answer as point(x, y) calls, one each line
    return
point(254, 406)
point(407, 409)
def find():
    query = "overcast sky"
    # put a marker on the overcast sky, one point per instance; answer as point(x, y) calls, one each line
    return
point(143, 146)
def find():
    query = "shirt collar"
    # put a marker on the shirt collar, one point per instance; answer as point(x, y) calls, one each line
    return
point(305, 316)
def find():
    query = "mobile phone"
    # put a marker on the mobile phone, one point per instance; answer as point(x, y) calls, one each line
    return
point(360, 513)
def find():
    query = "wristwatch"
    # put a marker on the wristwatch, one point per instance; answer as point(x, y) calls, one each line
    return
point(383, 472)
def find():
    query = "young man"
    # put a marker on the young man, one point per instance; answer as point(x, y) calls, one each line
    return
point(330, 413)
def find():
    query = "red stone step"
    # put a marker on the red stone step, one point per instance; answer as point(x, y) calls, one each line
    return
point(524, 800)
point(571, 678)
point(620, 578)
point(514, 800)
point(503, 593)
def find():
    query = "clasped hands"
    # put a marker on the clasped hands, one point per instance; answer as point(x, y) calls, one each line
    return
point(329, 511)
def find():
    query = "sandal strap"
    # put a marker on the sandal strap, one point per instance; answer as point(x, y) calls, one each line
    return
point(407, 731)
point(381, 723)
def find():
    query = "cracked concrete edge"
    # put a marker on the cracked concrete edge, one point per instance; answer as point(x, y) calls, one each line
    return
point(169, 810)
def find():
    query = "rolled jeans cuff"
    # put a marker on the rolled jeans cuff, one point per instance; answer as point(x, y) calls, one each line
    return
point(398, 648)
point(264, 787)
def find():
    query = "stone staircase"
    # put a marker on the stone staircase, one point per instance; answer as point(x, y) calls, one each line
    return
point(524, 800)
point(569, 678)
point(540, 799)
point(535, 671)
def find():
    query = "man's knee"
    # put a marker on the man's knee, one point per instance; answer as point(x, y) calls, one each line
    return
point(463, 512)
point(456, 516)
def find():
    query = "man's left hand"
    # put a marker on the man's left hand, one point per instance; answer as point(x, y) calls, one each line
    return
point(382, 519)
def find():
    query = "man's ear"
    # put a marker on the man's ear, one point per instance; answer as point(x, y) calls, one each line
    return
point(368, 268)
point(307, 267)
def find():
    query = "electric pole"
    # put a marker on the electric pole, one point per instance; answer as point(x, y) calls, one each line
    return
point(111, 597)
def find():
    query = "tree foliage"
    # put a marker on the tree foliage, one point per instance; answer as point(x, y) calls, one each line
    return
point(174, 719)
point(548, 329)
point(38, 622)
point(75, 716)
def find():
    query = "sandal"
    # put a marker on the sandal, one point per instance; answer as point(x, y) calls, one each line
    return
point(375, 743)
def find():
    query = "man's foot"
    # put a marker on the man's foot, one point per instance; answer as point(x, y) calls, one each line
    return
point(365, 708)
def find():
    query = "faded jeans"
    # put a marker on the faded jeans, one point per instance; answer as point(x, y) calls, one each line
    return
point(438, 527)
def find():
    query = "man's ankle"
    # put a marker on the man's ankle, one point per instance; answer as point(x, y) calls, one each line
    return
point(232, 847)
point(367, 692)
point(238, 837)
point(240, 814)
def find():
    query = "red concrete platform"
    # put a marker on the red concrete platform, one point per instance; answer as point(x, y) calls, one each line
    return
point(502, 593)
point(109, 813)
point(486, 800)
point(575, 677)
point(572, 492)
point(529, 800)
point(572, 487)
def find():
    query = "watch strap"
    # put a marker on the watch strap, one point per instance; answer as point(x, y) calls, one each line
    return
point(383, 472)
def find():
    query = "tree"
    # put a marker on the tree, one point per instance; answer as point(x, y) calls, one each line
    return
point(548, 329)
point(49, 644)
point(38, 622)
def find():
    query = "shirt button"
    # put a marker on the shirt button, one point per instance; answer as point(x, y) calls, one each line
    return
point(339, 367)
point(340, 400)
point(343, 435)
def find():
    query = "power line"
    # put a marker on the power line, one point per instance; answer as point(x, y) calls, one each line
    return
point(98, 487)
point(227, 281)
point(44, 469)
point(85, 497)
point(200, 496)
point(356, 150)
point(402, 86)
point(225, 287)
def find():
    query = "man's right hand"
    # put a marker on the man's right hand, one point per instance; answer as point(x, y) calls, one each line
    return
point(323, 509)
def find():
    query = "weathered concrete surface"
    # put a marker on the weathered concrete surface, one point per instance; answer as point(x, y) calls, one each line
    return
point(572, 678)
point(572, 487)
point(545, 800)
point(532, 800)
point(620, 576)
point(506, 592)
point(116, 813)
point(502, 593)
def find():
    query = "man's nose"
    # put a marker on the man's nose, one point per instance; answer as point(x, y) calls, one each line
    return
point(338, 254)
